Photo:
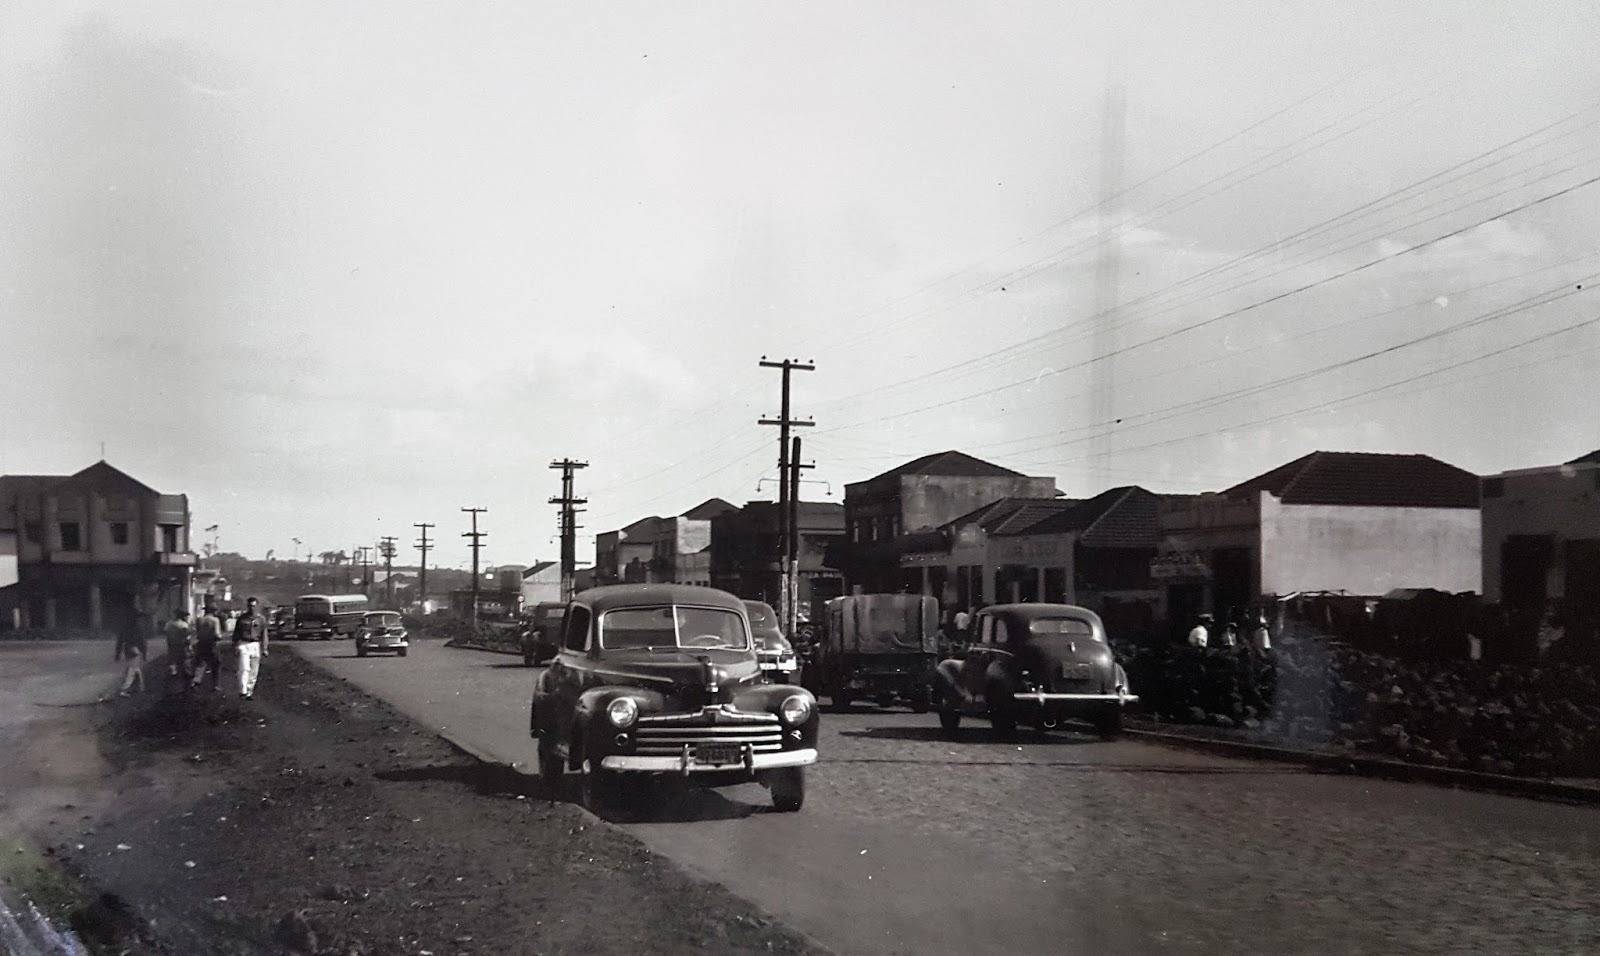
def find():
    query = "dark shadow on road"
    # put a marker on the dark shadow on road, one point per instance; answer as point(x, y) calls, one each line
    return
point(1279, 770)
point(519, 666)
point(683, 805)
point(485, 779)
point(973, 735)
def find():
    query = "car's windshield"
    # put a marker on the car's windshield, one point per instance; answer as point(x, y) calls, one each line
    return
point(383, 620)
point(690, 627)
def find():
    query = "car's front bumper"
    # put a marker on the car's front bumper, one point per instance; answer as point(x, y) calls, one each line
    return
point(685, 764)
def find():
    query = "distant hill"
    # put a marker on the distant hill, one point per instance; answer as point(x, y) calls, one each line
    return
point(280, 582)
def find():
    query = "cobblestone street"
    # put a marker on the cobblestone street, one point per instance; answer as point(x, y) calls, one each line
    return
point(912, 842)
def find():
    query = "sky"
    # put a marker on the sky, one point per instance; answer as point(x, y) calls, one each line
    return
point(334, 270)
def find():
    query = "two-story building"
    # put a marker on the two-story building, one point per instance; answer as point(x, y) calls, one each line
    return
point(744, 552)
point(656, 549)
point(1541, 538)
point(541, 583)
point(919, 496)
point(1353, 523)
point(85, 549)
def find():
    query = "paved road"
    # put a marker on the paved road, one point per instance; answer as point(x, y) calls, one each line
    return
point(913, 843)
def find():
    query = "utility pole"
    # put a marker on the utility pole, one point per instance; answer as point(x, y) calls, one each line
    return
point(365, 552)
point(422, 577)
point(792, 582)
point(477, 543)
point(569, 523)
point(784, 423)
point(386, 548)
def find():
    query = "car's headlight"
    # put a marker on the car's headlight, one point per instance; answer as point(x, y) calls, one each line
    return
point(622, 712)
point(795, 709)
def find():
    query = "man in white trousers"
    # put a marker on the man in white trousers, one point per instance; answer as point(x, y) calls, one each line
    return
point(250, 644)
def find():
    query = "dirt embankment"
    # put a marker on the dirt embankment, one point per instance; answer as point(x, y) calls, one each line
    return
point(314, 819)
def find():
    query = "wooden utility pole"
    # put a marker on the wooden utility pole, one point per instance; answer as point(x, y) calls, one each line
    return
point(422, 575)
point(791, 583)
point(569, 523)
point(784, 423)
point(477, 542)
point(386, 548)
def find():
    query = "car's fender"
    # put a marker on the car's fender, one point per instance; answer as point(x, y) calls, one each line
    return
point(769, 697)
point(589, 713)
point(947, 676)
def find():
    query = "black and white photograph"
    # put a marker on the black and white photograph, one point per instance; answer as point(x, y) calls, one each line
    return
point(877, 479)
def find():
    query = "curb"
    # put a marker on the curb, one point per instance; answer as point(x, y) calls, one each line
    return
point(1527, 787)
point(482, 647)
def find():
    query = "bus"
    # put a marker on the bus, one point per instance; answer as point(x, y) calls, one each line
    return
point(321, 617)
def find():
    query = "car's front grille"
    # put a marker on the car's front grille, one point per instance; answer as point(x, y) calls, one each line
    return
point(668, 735)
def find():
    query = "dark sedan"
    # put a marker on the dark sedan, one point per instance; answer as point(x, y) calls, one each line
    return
point(1037, 664)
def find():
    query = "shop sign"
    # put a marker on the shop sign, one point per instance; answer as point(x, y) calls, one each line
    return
point(1179, 565)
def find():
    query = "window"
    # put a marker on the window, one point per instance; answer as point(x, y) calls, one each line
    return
point(169, 538)
point(33, 531)
point(577, 635)
point(1001, 634)
point(71, 539)
point(119, 532)
point(986, 629)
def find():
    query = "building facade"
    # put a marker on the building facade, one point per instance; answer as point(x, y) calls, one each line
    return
point(883, 513)
point(744, 553)
point(87, 550)
point(1343, 522)
point(1541, 538)
point(673, 550)
point(541, 583)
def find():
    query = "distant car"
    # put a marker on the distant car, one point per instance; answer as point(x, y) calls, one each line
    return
point(280, 623)
point(773, 650)
point(381, 631)
point(655, 683)
point(1036, 664)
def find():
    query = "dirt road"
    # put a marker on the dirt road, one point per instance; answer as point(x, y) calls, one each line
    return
point(913, 843)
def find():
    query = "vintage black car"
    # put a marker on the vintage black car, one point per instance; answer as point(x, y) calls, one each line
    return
point(659, 683)
point(774, 652)
point(381, 631)
point(1036, 664)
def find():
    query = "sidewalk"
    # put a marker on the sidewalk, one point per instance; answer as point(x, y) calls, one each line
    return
point(1229, 744)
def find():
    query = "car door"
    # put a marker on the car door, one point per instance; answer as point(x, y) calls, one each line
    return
point(568, 668)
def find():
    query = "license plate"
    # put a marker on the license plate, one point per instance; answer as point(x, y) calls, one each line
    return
point(1077, 671)
point(717, 753)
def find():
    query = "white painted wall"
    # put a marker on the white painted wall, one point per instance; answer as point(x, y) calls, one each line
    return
point(1369, 550)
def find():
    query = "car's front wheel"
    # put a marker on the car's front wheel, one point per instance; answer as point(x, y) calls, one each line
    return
point(402, 652)
point(788, 786)
point(361, 651)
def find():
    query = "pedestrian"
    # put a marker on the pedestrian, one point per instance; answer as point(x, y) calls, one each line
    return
point(250, 644)
point(180, 637)
point(1230, 635)
point(1200, 634)
point(132, 649)
point(1261, 637)
point(207, 634)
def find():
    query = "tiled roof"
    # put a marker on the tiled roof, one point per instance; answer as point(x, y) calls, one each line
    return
point(1593, 458)
point(950, 463)
point(1123, 517)
point(708, 509)
point(1356, 479)
point(537, 567)
point(105, 476)
point(1012, 515)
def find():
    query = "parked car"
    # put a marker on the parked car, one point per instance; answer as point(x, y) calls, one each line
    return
point(660, 683)
point(879, 646)
point(280, 623)
point(1036, 664)
point(381, 631)
point(773, 650)
point(541, 632)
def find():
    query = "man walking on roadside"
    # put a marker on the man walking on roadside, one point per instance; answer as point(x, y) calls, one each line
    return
point(250, 643)
point(207, 635)
point(180, 636)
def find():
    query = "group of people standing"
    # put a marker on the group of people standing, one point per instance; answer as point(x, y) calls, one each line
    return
point(1256, 634)
point(193, 654)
